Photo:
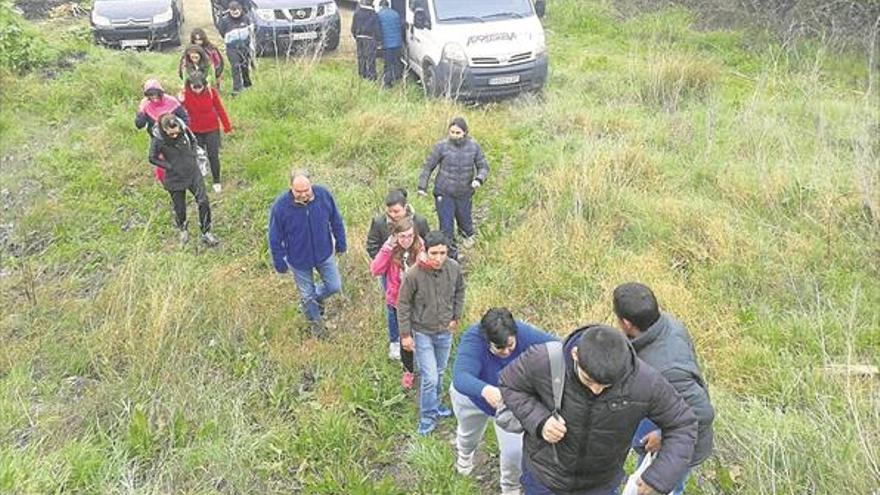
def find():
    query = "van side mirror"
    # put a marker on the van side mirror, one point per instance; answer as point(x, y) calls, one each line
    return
point(421, 19)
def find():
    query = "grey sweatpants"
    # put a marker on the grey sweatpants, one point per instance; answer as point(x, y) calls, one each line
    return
point(472, 423)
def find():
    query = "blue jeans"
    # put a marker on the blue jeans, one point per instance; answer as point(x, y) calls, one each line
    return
point(432, 355)
point(393, 66)
point(311, 294)
point(393, 329)
point(533, 486)
point(452, 210)
point(645, 427)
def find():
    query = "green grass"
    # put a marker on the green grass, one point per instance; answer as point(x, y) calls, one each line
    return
point(738, 178)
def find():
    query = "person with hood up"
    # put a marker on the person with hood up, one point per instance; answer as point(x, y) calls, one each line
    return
point(462, 170)
point(392, 41)
point(366, 32)
point(200, 38)
point(663, 342)
point(483, 351)
point(173, 148)
point(429, 305)
point(403, 248)
point(396, 209)
point(580, 448)
point(203, 104)
point(155, 103)
point(195, 62)
point(236, 29)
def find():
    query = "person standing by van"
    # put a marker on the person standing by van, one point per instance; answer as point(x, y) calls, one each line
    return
point(235, 27)
point(366, 32)
point(462, 170)
point(392, 41)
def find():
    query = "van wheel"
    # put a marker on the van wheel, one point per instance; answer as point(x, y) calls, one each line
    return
point(429, 81)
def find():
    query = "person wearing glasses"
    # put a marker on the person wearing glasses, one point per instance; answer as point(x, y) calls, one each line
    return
point(173, 148)
point(483, 351)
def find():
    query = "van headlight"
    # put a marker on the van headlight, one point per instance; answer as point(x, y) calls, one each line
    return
point(99, 20)
point(330, 8)
point(163, 16)
point(265, 14)
point(541, 48)
point(454, 53)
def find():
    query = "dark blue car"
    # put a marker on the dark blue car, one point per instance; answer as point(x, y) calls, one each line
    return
point(136, 23)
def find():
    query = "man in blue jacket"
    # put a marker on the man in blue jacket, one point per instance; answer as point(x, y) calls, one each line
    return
point(392, 40)
point(305, 228)
point(484, 350)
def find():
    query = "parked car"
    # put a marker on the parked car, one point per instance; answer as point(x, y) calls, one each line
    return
point(136, 23)
point(476, 49)
point(280, 24)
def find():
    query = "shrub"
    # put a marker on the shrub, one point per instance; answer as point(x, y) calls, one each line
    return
point(22, 48)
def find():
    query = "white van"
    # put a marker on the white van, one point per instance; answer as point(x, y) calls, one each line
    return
point(475, 49)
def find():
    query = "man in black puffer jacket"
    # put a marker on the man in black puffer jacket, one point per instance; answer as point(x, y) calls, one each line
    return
point(367, 34)
point(665, 345)
point(463, 169)
point(580, 449)
point(173, 148)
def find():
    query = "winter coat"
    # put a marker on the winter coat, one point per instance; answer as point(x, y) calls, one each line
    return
point(206, 111)
point(303, 236)
point(148, 111)
point(176, 156)
point(475, 365)
point(236, 32)
point(459, 166)
point(380, 230)
point(383, 265)
point(389, 21)
point(599, 427)
point(430, 299)
point(667, 347)
point(365, 24)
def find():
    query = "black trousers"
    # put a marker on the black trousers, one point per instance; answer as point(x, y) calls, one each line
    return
point(211, 142)
point(240, 60)
point(393, 66)
point(178, 200)
point(366, 55)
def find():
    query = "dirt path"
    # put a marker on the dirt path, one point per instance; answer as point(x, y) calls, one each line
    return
point(197, 13)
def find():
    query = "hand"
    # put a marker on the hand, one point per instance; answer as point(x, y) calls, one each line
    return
point(652, 441)
point(554, 429)
point(422, 192)
point(228, 131)
point(476, 184)
point(407, 344)
point(492, 396)
point(391, 241)
point(452, 325)
point(644, 488)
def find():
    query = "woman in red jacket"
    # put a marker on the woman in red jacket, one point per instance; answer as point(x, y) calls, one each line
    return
point(206, 113)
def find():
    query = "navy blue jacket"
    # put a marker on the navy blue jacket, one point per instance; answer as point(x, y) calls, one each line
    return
point(389, 21)
point(302, 236)
point(475, 366)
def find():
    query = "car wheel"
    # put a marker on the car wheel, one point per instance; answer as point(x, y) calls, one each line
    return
point(429, 81)
point(331, 40)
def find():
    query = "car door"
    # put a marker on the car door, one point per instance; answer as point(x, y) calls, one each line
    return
point(417, 39)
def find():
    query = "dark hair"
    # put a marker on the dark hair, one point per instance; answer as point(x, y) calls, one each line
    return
point(383, 3)
point(435, 238)
point(460, 123)
point(635, 302)
point(206, 43)
point(234, 5)
point(399, 227)
point(604, 354)
point(498, 325)
point(153, 92)
point(396, 197)
point(196, 79)
point(168, 120)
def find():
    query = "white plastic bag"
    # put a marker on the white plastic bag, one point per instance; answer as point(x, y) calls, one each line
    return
point(632, 487)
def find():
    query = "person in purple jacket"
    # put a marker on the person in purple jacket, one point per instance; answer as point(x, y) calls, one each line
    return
point(484, 350)
point(305, 230)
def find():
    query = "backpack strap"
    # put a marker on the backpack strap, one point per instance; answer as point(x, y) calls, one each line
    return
point(557, 372)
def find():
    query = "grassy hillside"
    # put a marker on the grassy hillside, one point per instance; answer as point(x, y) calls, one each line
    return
point(739, 179)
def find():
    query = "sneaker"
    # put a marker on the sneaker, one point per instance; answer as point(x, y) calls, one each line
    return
point(321, 308)
point(394, 351)
point(468, 242)
point(210, 239)
point(318, 330)
point(426, 426)
point(443, 411)
point(218, 188)
point(464, 464)
point(183, 237)
point(407, 380)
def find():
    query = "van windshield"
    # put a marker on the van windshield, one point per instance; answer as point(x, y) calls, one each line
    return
point(481, 10)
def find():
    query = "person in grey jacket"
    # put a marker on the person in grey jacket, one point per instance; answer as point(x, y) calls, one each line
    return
point(663, 342)
point(429, 306)
point(580, 448)
point(462, 170)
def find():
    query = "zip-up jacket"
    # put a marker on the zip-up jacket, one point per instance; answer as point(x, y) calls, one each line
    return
point(380, 230)
point(430, 299)
point(383, 264)
point(389, 21)
point(365, 24)
point(236, 32)
point(304, 235)
point(176, 156)
point(459, 166)
point(206, 111)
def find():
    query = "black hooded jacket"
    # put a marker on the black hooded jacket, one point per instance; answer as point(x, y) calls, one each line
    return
point(599, 427)
point(176, 156)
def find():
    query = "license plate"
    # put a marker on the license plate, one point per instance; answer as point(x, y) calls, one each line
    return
point(308, 35)
point(501, 80)
point(133, 43)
